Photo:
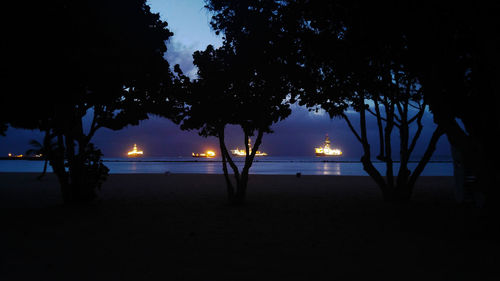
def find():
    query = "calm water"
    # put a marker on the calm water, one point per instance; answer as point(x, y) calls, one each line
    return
point(269, 165)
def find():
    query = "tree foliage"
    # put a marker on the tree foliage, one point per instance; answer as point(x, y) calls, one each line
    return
point(357, 57)
point(454, 52)
point(246, 82)
point(102, 59)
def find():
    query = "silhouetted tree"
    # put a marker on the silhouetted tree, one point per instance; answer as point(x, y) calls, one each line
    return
point(44, 150)
point(357, 56)
point(224, 94)
point(245, 82)
point(101, 60)
point(454, 51)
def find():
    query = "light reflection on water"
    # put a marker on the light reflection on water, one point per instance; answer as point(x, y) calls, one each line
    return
point(334, 168)
point(276, 167)
point(212, 168)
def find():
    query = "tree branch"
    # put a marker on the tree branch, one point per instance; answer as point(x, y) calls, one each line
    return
point(388, 148)
point(229, 159)
point(366, 158)
point(417, 133)
point(421, 112)
point(381, 154)
point(229, 185)
point(427, 156)
point(343, 115)
point(415, 107)
point(258, 142)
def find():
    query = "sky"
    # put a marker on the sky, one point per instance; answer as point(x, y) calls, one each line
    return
point(295, 136)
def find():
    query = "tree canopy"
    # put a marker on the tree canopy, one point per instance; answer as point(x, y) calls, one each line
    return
point(454, 52)
point(357, 57)
point(76, 58)
point(246, 82)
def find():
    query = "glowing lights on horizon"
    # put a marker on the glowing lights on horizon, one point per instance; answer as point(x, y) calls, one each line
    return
point(15, 155)
point(325, 150)
point(208, 154)
point(241, 152)
point(134, 152)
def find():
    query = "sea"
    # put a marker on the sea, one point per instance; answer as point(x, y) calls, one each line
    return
point(269, 165)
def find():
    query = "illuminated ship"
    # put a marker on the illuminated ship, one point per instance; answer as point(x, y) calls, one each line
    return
point(326, 150)
point(208, 154)
point(15, 155)
point(242, 152)
point(134, 152)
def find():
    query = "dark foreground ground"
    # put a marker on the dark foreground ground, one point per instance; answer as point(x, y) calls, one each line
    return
point(178, 227)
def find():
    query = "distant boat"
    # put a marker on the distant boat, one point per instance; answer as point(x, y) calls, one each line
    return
point(242, 152)
point(326, 150)
point(134, 152)
point(208, 154)
point(15, 155)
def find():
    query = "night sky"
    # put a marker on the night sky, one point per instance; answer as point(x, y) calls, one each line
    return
point(296, 136)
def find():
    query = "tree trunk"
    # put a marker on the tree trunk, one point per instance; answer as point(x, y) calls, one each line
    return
point(57, 162)
point(366, 158)
point(240, 195)
point(243, 183)
point(231, 192)
point(381, 155)
point(223, 149)
point(47, 152)
point(374, 174)
point(44, 169)
point(388, 148)
point(425, 159)
point(84, 187)
point(75, 187)
point(402, 191)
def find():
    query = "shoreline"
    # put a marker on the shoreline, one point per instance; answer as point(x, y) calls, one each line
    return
point(167, 173)
point(275, 161)
point(237, 159)
point(271, 167)
point(22, 188)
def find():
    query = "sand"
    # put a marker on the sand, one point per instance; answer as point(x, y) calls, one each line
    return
point(179, 227)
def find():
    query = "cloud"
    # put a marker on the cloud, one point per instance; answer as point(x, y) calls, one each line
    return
point(178, 53)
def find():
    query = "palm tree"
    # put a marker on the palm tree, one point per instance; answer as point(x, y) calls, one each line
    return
point(45, 150)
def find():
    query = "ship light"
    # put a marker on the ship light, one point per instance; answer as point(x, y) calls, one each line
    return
point(337, 151)
point(208, 154)
point(326, 150)
point(135, 152)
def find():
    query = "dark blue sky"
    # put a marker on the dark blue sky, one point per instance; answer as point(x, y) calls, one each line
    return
point(296, 136)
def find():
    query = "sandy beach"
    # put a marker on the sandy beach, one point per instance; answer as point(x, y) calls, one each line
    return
point(179, 227)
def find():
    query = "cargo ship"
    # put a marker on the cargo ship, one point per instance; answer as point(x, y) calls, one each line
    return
point(326, 150)
point(208, 154)
point(242, 152)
